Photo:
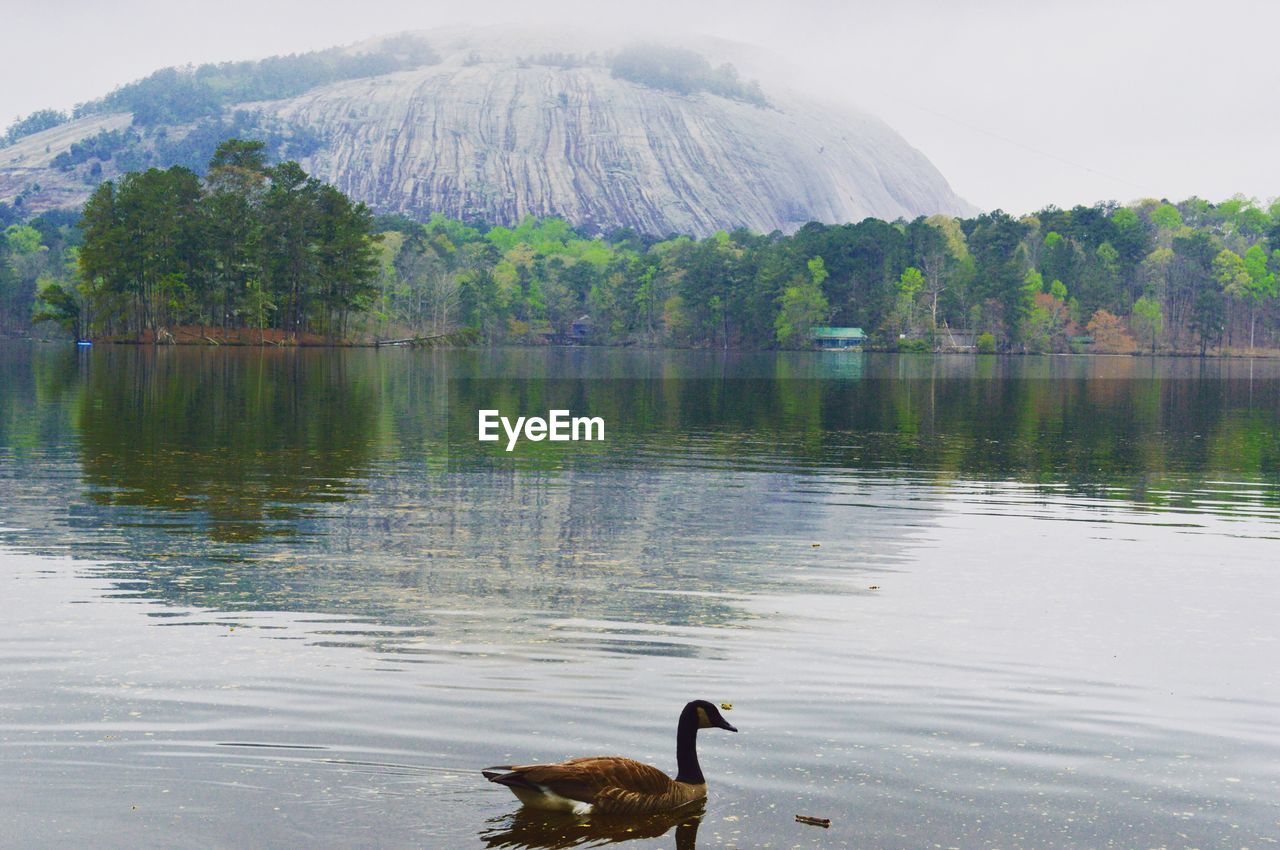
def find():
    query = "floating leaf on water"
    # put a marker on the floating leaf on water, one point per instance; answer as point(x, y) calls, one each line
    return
point(727, 706)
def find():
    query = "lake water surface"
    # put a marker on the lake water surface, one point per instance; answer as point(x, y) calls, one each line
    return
point(284, 598)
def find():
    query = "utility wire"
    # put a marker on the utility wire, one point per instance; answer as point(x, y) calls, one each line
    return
point(1145, 189)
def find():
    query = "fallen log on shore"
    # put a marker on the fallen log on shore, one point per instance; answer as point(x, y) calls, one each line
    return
point(460, 337)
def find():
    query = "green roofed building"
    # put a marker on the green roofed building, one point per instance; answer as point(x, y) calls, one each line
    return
point(837, 338)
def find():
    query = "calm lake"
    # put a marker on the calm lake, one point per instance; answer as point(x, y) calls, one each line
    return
point(285, 598)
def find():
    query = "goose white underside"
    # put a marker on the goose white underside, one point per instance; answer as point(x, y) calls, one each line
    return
point(545, 798)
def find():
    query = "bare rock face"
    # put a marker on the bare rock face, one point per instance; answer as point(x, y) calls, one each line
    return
point(27, 175)
point(491, 134)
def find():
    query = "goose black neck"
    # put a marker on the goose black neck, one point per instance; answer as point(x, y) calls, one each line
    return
point(687, 748)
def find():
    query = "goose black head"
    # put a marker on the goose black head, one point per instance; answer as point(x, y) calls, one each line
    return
point(709, 717)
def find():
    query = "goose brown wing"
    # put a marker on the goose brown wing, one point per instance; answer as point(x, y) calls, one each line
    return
point(616, 801)
point(585, 778)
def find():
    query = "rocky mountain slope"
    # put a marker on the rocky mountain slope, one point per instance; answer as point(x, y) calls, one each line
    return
point(505, 125)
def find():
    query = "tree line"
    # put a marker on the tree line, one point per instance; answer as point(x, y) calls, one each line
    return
point(682, 71)
point(267, 247)
point(1151, 276)
point(177, 95)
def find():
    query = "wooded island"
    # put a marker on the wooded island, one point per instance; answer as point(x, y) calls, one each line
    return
point(253, 248)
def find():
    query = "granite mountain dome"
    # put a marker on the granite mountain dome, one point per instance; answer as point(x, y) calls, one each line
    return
point(496, 126)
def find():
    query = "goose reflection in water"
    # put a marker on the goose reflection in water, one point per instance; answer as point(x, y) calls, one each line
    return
point(533, 828)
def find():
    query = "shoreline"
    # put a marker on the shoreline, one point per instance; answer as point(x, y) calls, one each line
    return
point(428, 342)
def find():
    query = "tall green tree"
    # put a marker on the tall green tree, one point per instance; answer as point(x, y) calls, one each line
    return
point(1263, 283)
point(999, 289)
point(1148, 320)
point(910, 283)
point(235, 184)
point(288, 253)
point(802, 306)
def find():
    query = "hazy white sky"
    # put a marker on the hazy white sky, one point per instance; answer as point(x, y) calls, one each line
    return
point(1019, 104)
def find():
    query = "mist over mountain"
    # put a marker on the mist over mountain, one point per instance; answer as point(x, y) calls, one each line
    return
point(682, 136)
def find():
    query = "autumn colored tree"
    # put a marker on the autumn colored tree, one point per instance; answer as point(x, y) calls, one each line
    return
point(1109, 334)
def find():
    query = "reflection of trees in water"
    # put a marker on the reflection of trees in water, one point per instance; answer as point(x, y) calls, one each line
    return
point(528, 829)
point(246, 440)
point(1105, 426)
point(303, 481)
point(349, 481)
point(35, 395)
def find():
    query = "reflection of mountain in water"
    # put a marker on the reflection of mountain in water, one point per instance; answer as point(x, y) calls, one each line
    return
point(346, 482)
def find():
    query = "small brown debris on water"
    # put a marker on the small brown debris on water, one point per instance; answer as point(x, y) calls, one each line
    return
point(815, 545)
point(825, 823)
point(726, 706)
point(874, 587)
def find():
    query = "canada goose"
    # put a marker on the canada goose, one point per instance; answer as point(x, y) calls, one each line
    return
point(615, 785)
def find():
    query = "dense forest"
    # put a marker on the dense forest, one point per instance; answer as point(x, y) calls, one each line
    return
point(1153, 276)
point(266, 247)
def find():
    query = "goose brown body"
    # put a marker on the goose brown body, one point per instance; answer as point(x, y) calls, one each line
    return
point(613, 785)
point(610, 785)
